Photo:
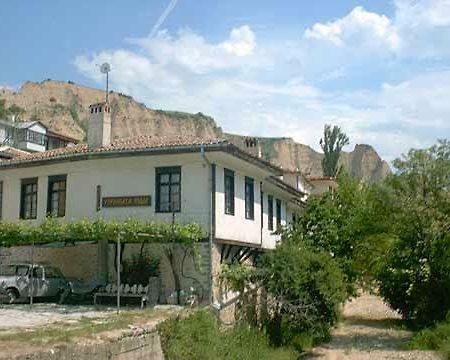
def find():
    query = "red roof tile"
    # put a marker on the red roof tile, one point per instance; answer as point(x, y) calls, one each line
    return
point(127, 144)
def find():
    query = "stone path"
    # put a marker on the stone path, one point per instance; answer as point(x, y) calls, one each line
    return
point(369, 330)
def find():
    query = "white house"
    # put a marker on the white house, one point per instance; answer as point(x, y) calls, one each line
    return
point(31, 136)
point(237, 197)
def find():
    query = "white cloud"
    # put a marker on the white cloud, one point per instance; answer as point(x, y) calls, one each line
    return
point(419, 29)
point(192, 52)
point(360, 28)
point(251, 87)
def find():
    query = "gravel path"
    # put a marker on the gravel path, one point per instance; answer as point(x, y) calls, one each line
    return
point(369, 330)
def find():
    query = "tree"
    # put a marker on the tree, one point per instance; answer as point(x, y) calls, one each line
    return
point(332, 143)
point(415, 279)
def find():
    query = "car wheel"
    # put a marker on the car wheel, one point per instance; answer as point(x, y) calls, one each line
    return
point(12, 295)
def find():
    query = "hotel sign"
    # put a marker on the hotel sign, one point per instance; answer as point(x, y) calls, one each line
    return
point(127, 201)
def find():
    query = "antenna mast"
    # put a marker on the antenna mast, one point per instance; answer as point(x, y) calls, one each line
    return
point(105, 68)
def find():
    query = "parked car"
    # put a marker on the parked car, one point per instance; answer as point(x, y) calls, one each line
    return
point(19, 281)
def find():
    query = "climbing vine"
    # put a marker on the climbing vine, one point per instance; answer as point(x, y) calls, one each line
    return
point(131, 231)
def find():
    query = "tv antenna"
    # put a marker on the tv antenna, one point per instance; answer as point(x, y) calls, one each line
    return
point(105, 68)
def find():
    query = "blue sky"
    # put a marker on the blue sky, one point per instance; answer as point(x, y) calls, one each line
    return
point(379, 69)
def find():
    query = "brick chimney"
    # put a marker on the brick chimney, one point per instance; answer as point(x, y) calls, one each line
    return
point(99, 130)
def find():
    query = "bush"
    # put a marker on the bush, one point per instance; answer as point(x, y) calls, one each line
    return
point(308, 288)
point(199, 337)
point(140, 268)
point(436, 338)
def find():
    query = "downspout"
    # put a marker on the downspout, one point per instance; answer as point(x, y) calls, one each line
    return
point(212, 216)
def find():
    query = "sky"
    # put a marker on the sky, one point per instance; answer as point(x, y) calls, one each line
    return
point(378, 69)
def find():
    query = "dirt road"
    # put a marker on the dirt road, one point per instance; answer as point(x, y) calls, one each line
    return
point(369, 330)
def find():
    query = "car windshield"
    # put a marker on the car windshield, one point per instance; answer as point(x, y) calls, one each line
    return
point(52, 272)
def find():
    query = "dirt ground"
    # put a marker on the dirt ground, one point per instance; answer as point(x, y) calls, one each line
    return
point(369, 330)
point(25, 330)
point(25, 317)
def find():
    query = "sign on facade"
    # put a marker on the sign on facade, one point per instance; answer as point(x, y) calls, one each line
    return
point(126, 201)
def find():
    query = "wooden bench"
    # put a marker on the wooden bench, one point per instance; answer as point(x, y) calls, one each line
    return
point(125, 291)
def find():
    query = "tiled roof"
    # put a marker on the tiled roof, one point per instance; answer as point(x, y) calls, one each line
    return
point(126, 145)
point(10, 152)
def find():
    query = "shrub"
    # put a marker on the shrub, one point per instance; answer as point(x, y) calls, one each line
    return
point(140, 268)
point(308, 288)
point(199, 337)
point(436, 337)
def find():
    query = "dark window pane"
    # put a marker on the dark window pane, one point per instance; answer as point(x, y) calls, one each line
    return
point(229, 191)
point(168, 189)
point(249, 198)
point(270, 212)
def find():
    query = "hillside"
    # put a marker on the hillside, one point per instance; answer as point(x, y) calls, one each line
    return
point(63, 107)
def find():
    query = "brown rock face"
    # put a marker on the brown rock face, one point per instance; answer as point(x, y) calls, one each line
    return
point(63, 107)
point(363, 162)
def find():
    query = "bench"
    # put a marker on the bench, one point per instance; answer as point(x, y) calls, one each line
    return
point(125, 291)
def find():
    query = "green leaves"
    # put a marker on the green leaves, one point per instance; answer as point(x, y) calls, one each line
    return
point(332, 143)
point(131, 230)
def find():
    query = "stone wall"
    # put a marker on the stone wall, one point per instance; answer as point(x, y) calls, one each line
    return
point(88, 262)
point(75, 261)
point(146, 347)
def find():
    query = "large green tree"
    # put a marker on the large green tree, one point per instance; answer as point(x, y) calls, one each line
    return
point(332, 143)
point(416, 276)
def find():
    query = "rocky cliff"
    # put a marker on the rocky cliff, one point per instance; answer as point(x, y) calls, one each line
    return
point(63, 107)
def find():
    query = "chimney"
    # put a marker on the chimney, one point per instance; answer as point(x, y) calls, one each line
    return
point(253, 146)
point(99, 129)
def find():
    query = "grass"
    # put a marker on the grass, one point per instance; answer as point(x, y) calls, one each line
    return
point(199, 337)
point(82, 328)
point(435, 338)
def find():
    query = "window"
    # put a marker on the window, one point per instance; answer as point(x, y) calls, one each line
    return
point(229, 192)
point(270, 212)
point(249, 198)
point(1, 199)
point(28, 199)
point(168, 189)
point(56, 200)
point(32, 137)
point(262, 208)
point(278, 214)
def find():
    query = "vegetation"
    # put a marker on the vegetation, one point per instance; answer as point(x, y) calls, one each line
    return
point(52, 230)
point(140, 268)
point(415, 279)
point(332, 143)
point(199, 337)
point(305, 288)
point(8, 111)
point(437, 337)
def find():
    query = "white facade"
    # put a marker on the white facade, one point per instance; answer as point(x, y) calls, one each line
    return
point(135, 176)
point(34, 138)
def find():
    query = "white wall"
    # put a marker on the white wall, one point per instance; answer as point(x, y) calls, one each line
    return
point(117, 177)
point(129, 176)
point(236, 227)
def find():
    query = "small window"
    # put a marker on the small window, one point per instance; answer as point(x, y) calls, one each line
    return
point(262, 208)
point(270, 212)
point(249, 198)
point(56, 201)
point(1, 200)
point(28, 199)
point(168, 189)
point(229, 192)
point(278, 214)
